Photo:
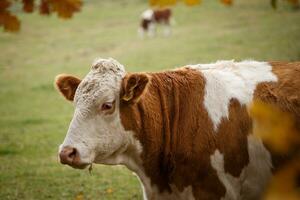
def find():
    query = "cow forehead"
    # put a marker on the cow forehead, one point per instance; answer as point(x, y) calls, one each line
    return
point(104, 79)
point(101, 65)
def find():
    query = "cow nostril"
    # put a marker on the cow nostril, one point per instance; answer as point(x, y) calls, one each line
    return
point(68, 155)
point(73, 153)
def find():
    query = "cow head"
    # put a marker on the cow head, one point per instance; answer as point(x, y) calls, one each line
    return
point(96, 133)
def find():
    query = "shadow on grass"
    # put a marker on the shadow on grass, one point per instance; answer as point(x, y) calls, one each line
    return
point(8, 152)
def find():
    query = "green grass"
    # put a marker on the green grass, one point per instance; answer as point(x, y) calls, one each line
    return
point(34, 118)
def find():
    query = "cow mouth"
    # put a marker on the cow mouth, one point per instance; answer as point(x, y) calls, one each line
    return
point(79, 165)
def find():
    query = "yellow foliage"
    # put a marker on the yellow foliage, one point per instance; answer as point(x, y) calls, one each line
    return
point(162, 3)
point(79, 196)
point(227, 2)
point(109, 190)
point(166, 3)
point(284, 184)
point(275, 127)
point(192, 2)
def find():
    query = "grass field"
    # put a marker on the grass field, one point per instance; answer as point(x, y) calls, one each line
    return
point(34, 118)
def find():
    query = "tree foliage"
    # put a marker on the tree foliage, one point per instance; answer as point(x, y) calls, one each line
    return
point(278, 131)
point(163, 3)
point(63, 8)
point(9, 21)
point(66, 8)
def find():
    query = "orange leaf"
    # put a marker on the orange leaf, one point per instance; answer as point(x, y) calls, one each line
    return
point(65, 8)
point(227, 2)
point(9, 22)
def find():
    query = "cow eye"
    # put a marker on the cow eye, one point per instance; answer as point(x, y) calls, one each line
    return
point(107, 106)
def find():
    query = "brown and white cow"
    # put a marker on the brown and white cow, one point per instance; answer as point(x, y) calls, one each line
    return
point(150, 18)
point(186, 133)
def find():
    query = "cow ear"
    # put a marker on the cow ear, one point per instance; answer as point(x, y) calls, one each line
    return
point(133, 86)
point(67, 85)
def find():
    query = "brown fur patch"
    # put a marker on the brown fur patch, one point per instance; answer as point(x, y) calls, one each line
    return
point(177, 135)
point(162, 16)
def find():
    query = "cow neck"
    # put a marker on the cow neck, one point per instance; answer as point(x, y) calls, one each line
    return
point(160, 120)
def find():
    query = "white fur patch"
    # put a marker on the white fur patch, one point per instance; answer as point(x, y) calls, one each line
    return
point(253, 178)
point(226, 80)
point(147, 14)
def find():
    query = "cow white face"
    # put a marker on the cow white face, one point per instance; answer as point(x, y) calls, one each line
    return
point(96, 133)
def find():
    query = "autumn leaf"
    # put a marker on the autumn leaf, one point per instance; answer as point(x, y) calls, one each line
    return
point(192, 2)
point(162, 3)
point(79, 196)
point(28, 5)
point(165, 3)
point(65, 8)
point(109, 190)
point(275, 127)
point(284, 184)
point(227, 2)
point(9, 22)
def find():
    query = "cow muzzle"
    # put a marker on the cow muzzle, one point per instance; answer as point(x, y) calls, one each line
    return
point(70, 156)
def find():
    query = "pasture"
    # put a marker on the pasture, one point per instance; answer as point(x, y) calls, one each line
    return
point(34, 117)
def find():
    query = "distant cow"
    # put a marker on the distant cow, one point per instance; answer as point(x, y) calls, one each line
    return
point(187, 132)
point(150, 18)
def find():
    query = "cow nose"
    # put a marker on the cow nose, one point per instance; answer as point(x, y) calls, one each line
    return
point(67, 155)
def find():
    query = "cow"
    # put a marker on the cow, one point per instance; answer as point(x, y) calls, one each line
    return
point(150, 18)
point(187, 132)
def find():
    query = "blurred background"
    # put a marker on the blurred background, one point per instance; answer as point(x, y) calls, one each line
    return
point(34, 117)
